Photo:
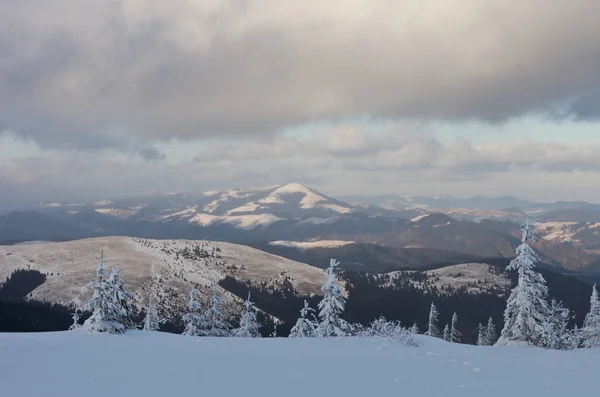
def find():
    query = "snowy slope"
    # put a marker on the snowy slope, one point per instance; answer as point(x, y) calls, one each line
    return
point(71, 265)
point(74, 364)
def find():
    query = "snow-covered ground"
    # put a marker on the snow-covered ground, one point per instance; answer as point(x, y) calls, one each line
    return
point(71, 265)
point(74, 364)
point(307, 245)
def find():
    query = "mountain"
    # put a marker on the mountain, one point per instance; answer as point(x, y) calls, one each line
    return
point(154, 364)
point(166, 268)
point(437, 230)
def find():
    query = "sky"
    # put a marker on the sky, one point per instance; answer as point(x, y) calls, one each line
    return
point(110, 98)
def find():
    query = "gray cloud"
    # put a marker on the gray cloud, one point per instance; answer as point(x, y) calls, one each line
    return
point(80, 74)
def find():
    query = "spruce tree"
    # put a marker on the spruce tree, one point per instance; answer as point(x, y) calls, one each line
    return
point(556, 335)
point(415, 329)
point(76, 316)
point(527, 308)
point(193, 317)
point(446, 335)
point(332, 306)
point(481, 331)
point(455, 335)
point(152, 321)
point(590, 333)
point(433, 329)
point(213, 322)
point(249, 325)
point(490, 333)
point(111, 303)
point(306, 324)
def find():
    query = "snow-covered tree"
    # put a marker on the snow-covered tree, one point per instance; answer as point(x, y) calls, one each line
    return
point(455, 335)
point(433, 328)
point(332, 306)
point(490, 333)
point(111, 303)
point(249, 325)
point(76, 316)
point(481, 330)
point(527, 308)
point(152, 320)
point(556, 334)
point(213, 321)
point(415, 329)
point(193, 318)
point(446, 335)
point(590, 333)
point(306, 323)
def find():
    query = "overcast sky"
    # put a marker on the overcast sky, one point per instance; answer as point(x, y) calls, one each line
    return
point(105, 98)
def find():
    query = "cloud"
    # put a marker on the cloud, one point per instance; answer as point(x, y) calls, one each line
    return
point(85, 74)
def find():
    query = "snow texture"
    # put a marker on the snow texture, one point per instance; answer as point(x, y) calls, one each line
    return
point(154, 364)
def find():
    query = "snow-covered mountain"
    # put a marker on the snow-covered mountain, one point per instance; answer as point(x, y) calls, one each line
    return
point(167, 268)
point(153, 364)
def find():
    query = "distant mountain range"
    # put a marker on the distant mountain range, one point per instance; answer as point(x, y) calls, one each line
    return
point(385, 232)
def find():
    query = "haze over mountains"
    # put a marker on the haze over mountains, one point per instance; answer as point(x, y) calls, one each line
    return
point(388, 232)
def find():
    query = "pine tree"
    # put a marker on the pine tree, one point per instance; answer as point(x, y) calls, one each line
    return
point(490, 333)
point(527, 308)
point(152, 321)
point(481, 335)
point(193, 318)
point(590, 333)
point(332, 306)
point(446, 335)
point(249, 325)
point(111, 303)
point(433, 329)
point(213, 321)
point(455, 335)
point(306, 325)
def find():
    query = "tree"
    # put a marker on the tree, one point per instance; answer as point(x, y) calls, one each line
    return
point(527, 308)
point(152, 321)
point(556, 335)
point(111, 303)
point(455, 335)
point(193, 318)
point(590, 333)
point(306, 325)
point(249, 325)
point(481, 335)
point(213, 321)
point(415, 329)
point(446, 334)
point(76, 316)
point(393, 330)
point(332, 306)
point(433, 329)
point(490, 333)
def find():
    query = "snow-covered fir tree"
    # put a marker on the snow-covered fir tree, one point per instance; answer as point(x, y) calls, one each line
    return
point(152, 321)
point(193, 318)
point(393, 330)
point(590, 333)
point(455, 335)
point(76, 316)
point(213, 321)
point(556, 334)
point(446, 334)
point(110, 304)
point(527, 308)
point(481, 335)
point(490, 333)
point(415, 329)
point(433, 328)
point(306, 324)
point(332, 306)
point(249, 325)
